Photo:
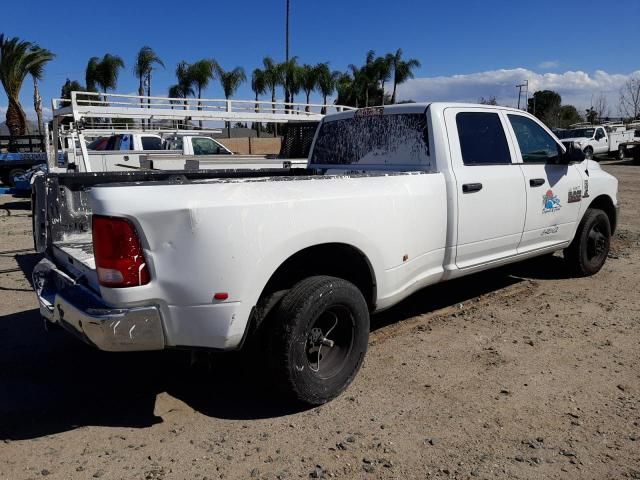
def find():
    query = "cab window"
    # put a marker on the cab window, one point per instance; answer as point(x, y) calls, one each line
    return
point(151, 143)
point(536, 145)
point(599, 134)
point(482, 139)
point(204, 146)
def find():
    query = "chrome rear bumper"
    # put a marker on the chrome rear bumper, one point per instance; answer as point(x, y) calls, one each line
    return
point(84, 314)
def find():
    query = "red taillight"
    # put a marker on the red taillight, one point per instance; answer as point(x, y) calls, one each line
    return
point(119, 258)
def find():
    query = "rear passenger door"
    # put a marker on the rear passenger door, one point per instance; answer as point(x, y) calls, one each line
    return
point(554, 191)
point(490, 186)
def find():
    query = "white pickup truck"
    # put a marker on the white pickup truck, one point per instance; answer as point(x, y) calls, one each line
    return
point(394, 199)
point(126, 150)
point(599, 140)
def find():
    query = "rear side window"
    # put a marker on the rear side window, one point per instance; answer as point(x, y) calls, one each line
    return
point(482, 139)
point(371, 138)
point(151, 143)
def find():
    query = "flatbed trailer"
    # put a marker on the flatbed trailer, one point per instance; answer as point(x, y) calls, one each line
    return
point(18, 154)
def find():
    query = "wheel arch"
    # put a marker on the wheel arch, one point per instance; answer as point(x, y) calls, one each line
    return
point(340, 260)
point(605, 203)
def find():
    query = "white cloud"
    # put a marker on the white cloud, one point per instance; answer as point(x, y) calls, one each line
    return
point(549, 64)
point(576, 87)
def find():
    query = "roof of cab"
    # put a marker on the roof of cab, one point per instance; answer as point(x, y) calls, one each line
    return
point(420, 107)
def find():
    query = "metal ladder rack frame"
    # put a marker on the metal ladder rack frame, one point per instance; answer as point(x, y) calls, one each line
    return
point(84, 106)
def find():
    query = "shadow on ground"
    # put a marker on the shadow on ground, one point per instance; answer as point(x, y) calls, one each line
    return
point(50, 382)
point(18, 204)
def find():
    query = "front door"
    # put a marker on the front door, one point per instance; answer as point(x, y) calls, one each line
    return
point(601, 142)
point(554, 191)
point(490, 187)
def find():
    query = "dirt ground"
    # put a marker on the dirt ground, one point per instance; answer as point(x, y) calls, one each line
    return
point(517, 373)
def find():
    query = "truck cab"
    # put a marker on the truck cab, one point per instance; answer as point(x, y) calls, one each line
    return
point(195, 145)
point(591, 140)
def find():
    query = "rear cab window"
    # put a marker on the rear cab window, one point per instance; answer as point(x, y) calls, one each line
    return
point(372, 138)
point(482, 139)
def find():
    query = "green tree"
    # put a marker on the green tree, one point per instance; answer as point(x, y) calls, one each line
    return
point(309, 76)
point(18, 59)
point(230, 81)
point(184, 86)
point(383, 69)
point(568, 116)
point(107, 71)
point(146, 59)
point(345, 88)
point(545, 104)
point(488, 101)
point(91, 74)
point(258, 85)
point(201, 73)
point(37, 73)
point(291, 79)
point(273, 77)
point(402, 71)
point(326, 83)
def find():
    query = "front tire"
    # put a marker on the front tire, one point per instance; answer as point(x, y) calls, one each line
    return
point(588, 153)
point(319, 338)
point(589, 249)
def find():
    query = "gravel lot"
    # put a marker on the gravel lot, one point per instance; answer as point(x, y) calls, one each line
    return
point(517, 373)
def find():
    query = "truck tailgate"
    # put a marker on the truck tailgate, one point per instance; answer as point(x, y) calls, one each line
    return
point(75, 255)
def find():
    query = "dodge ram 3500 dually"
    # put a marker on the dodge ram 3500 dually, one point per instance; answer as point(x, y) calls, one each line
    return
point(393, 199)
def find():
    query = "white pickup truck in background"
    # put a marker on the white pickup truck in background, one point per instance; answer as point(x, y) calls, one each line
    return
point(184, 144)
point(393, 199)
point(600, 140)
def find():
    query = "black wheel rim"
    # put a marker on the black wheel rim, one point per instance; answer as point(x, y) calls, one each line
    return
point(597, 243)
point(329, 341)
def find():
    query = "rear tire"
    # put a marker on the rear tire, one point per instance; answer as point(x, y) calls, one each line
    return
point(622, 153)
point(319, 338)
point(589, 249)
point(14, 173)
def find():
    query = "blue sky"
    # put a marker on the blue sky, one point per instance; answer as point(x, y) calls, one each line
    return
point(467, 48)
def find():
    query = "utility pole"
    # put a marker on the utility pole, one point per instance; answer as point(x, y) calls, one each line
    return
point(520, 87)
point(286, 55)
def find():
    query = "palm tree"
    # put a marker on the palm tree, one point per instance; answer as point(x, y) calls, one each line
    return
point(91, 74)
point(230, 81)
point(402, 70)
point(290, 79)
point(383, 68)
point(37, 73)
point(144, 65)
point(107, 71)
point(326, 83)
point(17, 60)
point(258, 84)
point(309, 76)
point(345, 86)
point(201, 73)
point(273, 77)
point(184, 87)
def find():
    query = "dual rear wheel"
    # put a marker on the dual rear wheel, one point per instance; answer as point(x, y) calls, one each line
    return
point(318, 338)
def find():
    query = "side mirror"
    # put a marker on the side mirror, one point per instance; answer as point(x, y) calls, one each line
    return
point(573, 154)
